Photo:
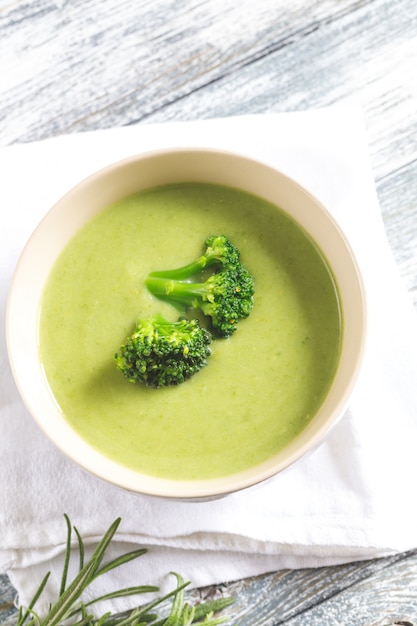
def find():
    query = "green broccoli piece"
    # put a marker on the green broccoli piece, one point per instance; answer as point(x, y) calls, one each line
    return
point(161, 353)
point(219, 252)
point(226, 296)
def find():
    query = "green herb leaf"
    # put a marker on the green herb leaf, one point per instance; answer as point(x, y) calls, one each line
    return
point(23, 615)
point(128, 591)
point(120, 560)
point(69, 607)
point(80, 548)
point(67, 556)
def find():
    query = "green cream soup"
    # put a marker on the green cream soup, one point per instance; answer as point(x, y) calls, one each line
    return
point(261, 386)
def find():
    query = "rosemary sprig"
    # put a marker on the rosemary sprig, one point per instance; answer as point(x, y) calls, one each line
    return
point(69, 607)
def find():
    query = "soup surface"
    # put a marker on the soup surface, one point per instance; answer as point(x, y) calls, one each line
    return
point(261, 386)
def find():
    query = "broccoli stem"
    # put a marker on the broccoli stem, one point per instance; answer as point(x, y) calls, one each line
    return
point(219, 251)
point(186, 271)
point(183, 295)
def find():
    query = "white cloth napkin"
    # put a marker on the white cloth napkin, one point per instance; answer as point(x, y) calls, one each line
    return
point(353, 498)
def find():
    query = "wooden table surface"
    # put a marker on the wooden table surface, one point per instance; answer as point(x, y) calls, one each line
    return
point(70, 66)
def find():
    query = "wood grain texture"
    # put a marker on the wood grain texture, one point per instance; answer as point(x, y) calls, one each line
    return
point(7, 597)
point(71, 66)
point(85, 65)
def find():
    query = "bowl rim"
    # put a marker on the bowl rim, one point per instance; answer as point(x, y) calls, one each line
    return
point(82, 453)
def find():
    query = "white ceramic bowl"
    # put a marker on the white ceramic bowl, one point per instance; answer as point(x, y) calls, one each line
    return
point(130, 176)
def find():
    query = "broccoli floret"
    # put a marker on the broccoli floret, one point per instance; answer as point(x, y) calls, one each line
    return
point(219, 252)
point(161, 353)
point(226, 296)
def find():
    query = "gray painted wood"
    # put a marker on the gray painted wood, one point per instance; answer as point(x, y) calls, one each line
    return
point(88, 64)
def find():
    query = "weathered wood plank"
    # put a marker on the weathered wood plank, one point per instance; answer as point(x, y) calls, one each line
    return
point(7, 596)
point(86, 65)
point(357, 593)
